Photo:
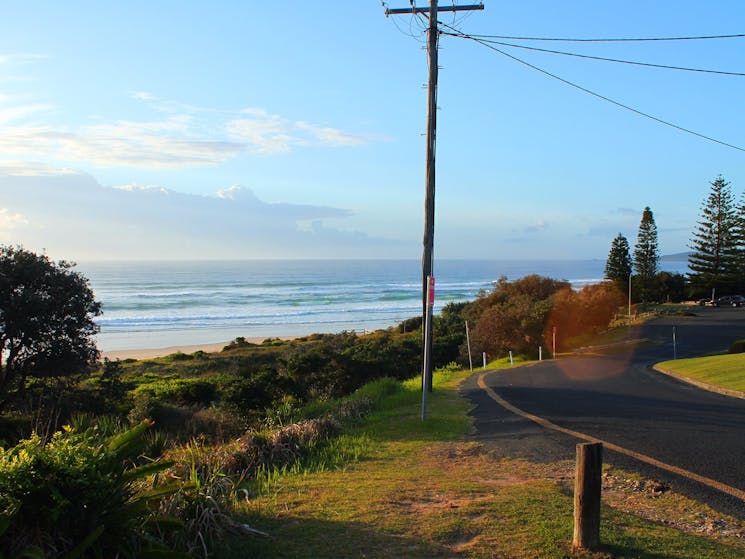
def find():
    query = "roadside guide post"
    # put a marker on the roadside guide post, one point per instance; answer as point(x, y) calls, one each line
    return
point(427, 369)
point(587, 488)
point(675, 345)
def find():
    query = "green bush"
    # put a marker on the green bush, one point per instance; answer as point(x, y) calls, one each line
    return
point(76, 494)
point(186, 391)
point(737, 347)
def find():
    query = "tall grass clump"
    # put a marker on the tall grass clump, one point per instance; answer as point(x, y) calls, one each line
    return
point(207, 510)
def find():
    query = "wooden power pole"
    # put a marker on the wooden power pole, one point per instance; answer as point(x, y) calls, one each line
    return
point(429, 198)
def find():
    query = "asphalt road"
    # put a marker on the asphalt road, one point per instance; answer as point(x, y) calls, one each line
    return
point(618, 398)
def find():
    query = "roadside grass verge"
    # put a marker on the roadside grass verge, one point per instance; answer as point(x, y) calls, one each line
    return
point(725, 371)
point(421, 490)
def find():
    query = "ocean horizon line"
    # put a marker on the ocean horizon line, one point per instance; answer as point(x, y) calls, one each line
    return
point(182, 302)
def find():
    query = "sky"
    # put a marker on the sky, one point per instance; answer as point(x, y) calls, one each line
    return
point(244, 129)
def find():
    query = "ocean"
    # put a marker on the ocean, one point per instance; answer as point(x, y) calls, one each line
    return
point(162, 304)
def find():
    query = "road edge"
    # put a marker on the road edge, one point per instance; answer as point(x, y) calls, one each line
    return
point(700, 384)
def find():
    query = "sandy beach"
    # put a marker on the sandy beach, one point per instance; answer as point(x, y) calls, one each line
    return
point(160, 352)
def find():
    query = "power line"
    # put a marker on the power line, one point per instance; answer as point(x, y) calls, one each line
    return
point(604, 59)
point(593, 93)
point(575, 40)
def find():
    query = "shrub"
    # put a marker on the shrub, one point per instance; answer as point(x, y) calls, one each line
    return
point(178, 356)
point(76, 494)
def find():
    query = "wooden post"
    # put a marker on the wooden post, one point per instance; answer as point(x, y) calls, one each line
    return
point(433, 34)
point(587, 487)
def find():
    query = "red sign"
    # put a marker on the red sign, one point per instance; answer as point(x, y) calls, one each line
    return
point(431, 291)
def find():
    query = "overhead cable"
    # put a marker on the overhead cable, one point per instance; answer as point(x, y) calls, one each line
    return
point(576, 40)
point(636, 63)
point(462, 35)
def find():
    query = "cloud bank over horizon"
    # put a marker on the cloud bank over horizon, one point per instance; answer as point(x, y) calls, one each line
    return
point(71, 216)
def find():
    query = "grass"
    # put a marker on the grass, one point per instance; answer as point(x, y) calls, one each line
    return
point(421, 490)
point(727, 371)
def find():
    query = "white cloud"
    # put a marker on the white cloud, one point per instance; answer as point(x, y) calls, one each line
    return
point(263, 135)
point(83, 220)
point(183, 136)
point(536, 227)
point(331, 136)
point(11, 221)
point(266, 133)
point(19, 112)
point(163, 144)
point(136, 187)
point(229, 193)
point(31, 169)
point(143, 96)
point(20, 57)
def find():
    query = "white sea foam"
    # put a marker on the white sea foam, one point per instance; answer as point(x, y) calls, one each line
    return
point(149, 304)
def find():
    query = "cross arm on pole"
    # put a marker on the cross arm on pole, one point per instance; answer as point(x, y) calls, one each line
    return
point(467, 8)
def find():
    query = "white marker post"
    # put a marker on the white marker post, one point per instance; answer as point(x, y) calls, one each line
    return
point(484, 357)
point(675, 345)
point(511, 363)
point(540, 353)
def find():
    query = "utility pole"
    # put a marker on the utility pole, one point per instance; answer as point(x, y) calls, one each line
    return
point(433, 34)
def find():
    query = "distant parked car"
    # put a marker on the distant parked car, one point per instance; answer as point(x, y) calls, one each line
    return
point(730, 301)
point(705, 302)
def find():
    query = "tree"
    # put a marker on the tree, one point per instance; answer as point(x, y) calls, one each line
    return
point(46, 319)
point(618, 266)
point(513, 316)
point(646, 255)
point(715, 253)
point(671, 288)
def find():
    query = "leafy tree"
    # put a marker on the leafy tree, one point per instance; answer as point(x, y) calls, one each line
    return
point(514, 315)
point(671, 287)
point(449, 334)
point(646, 255)
point(618, 266)
point(714, 258)
point(579, 315)
point(46, 319)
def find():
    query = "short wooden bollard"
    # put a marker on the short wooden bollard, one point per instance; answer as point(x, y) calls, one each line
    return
point(587, 487)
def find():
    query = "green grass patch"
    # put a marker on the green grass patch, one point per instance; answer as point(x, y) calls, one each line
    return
point(394, 486)
point(727, 371)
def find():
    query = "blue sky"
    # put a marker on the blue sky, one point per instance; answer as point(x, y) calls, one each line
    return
point(291, 129)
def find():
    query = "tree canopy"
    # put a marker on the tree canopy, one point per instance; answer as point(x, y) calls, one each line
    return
point(46, 319)
point(646, 254)
point(618, 266)
point(714, 260)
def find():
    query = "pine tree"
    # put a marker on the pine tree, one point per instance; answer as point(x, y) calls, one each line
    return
point(618, 266)
point(715, 257)
point(646, 255)
point(739, 240)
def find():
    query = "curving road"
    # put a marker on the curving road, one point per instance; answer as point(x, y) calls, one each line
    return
point(617, 398)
